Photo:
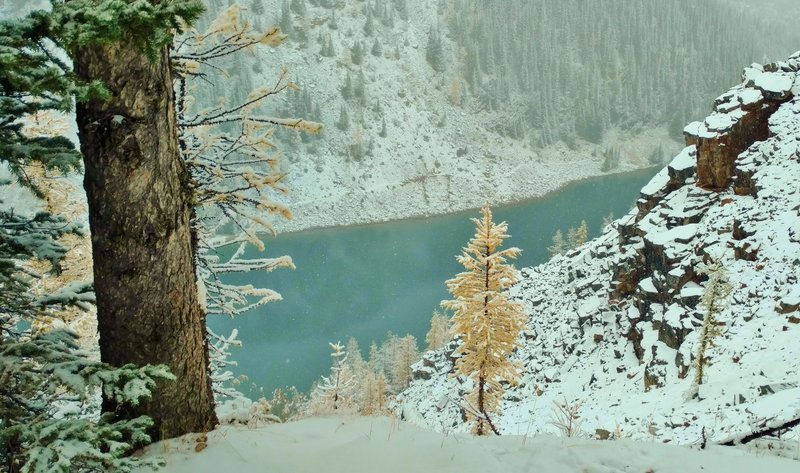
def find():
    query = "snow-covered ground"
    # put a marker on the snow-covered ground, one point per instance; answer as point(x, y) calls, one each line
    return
point(613, 324)
point(385, 445)
point(388, 191)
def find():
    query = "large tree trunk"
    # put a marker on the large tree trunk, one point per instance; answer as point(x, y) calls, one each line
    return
point(139, 213)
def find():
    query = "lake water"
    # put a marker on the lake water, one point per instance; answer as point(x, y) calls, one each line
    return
point(365, 281)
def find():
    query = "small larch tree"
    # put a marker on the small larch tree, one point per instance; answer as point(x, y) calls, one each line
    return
point(558, 247)
point(487, 322)
point(713, 302)
point(439, 334)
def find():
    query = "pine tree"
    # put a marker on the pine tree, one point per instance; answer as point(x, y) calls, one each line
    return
point(299, 7)
point(572, 238)
point(360, 88)
point(142, 261)
point(286, 23)
point(369, 24)
point(405, 354)
point(134, 177)
point(354, 359)
point(332, 24)
point(433, 51)
point(377, 49)
point(327, 47)
point(344, 119)
point(257, 7)
point(347, 88)
point(384, 132)
point(607, 220)
point(487, 323)
point(714, 301)
point(42, 367)
point(334, 391)
point(402, 8)
point(357, 53)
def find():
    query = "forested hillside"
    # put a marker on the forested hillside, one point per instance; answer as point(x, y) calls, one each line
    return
point(577, 67)
point(418, 97)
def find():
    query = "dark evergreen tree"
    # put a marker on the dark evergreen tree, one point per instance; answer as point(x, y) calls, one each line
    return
point(377, 49)
point(332, 24)
point(327, 47)
point(434, 52)
point(369, 24)
point(619, 82)
point(257, 7)
point(360, 88)
point(344, 119)
point(402, 8)
point(299, 7)
point(286, 23)
point(41, 370)
point(347, 88)
point(357, 53)
point(383, 133)
point(134, 178)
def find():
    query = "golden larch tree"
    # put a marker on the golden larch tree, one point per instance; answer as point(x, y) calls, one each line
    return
point(486, 320)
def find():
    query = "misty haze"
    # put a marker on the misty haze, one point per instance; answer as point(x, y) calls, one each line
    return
point(400, 235)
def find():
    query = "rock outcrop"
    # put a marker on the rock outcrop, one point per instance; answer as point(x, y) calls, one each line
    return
point(740, 119)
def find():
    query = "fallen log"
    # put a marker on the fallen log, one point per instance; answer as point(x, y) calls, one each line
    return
point(770, 429)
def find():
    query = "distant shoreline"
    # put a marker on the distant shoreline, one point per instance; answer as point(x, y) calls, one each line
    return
point(320, 220)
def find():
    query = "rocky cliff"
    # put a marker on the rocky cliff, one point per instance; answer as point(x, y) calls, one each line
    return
point(614, 324)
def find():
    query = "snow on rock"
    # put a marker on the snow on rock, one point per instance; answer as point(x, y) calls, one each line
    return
point(372, 444)
point(656, 184)
point(686, 159)
point(774, 85)
point(679, 234)
point(626, 353)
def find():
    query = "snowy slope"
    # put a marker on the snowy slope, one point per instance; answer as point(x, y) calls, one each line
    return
point(614, 324)
point(380, 444)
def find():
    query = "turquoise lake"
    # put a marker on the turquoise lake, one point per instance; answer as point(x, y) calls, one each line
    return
point(365, 281)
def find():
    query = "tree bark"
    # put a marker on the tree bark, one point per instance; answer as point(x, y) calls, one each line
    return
point(139, 213)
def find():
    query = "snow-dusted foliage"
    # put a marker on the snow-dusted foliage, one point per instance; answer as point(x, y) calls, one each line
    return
point(48, 400)
point(335, 391)
point(616, 323)
point(439, 333)
point(485, 320)
point(364, 386)
point(575, 237)
point(235, 170)
point(49, 388)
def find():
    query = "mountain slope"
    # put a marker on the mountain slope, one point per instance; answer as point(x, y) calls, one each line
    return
point(614, 324)
point(444, 113)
